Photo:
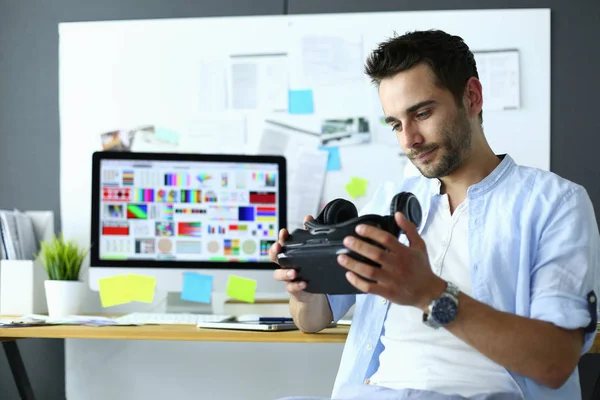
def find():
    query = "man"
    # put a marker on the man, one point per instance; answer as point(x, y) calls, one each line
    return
point(493, 295)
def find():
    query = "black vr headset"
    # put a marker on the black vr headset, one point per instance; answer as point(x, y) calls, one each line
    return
point(313, 252)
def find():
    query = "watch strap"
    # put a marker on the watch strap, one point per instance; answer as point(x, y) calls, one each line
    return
point(452, 290)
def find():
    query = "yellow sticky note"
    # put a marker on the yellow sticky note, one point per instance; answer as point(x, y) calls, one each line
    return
point(114, 290)
point(242, 289)
point(141, 288)
point(357, 187)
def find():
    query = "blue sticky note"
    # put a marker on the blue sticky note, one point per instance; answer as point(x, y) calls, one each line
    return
point(196, 287)
point(301, 102)
point(333, 161)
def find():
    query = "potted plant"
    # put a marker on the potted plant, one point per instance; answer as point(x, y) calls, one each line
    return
point(62, 261)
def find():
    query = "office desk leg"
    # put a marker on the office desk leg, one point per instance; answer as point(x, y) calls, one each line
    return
point(18, 370)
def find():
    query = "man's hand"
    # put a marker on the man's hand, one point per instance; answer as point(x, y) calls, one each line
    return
point(405, 276)
point(311, 311)
point(296, 289)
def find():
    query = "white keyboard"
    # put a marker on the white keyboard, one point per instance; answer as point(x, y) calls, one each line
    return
point(139, 318)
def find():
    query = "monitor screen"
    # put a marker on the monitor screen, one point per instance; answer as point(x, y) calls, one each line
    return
point(186, 210)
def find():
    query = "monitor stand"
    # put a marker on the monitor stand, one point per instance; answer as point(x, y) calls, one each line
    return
point(174, 304)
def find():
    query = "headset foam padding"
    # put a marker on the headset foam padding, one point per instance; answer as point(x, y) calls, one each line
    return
point(408, 205)
point(340, 210)
point(336, 211)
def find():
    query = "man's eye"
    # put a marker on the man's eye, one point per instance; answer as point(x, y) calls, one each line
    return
point(396, 128)
point(423, 114)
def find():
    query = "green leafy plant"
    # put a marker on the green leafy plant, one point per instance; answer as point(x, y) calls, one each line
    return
point(61, 259)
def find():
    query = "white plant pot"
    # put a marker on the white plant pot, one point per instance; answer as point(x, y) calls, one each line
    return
point(64, 298)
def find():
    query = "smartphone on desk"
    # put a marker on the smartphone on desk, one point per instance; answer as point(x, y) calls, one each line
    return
point(250, 325)
point(275, 325)
point(255, 318)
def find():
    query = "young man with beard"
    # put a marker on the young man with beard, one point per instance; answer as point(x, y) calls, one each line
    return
point(493, 296)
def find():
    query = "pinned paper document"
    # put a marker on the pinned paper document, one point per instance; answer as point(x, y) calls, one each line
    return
point(197, 287)
point(242, 289)
point(357, 187)
point(324, 59)
point(259, 82)
point(122, 289)
point(307, 172)
point(499, 74)
point(333, 161)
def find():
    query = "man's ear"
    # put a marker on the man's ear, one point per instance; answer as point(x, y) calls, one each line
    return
point(473, 98)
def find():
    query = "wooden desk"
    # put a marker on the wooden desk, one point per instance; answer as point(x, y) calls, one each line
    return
point(146, 332)
point(172, 332)
point(158, 332)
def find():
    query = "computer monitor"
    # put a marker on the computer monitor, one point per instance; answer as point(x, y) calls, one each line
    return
point(164, 214)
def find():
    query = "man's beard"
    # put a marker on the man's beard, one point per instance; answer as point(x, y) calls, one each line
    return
point(455, 146)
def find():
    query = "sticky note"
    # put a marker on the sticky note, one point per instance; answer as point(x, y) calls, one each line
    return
point(141, 288)
point(167, 135)
point(114, 290)
point(357, 187)
point(197, 287)
point(301, 102)
point(122, 289)
point(242, 289)
point(333, 161)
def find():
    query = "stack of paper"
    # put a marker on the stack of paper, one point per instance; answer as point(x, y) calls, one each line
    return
point(37, 319)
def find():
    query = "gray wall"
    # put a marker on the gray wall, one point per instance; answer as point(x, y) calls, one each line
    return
point(29, 120)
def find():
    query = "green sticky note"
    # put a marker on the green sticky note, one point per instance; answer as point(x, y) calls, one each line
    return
point(167, 135)
point(242, 289)
point(141, 288)
point(114, 290)
point(357, 187)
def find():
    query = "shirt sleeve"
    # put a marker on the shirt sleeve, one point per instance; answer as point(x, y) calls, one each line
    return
point(564, 280)
point(340, 304)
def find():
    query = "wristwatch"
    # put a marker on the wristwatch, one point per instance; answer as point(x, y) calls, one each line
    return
point(443, 310)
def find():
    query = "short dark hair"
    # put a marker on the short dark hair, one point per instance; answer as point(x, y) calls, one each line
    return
point(447, 55)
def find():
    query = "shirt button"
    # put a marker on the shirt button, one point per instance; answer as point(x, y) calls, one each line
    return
point(367, 381)
point(369, 347)
point(383, 301)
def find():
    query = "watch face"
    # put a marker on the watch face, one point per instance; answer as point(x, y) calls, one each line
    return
point(445, 310)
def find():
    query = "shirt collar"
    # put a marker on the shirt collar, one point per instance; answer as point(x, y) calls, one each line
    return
point(506, 164)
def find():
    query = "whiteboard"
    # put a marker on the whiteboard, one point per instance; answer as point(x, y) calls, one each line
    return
point(175, 73)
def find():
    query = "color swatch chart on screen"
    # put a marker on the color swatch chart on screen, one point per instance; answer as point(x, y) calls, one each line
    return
point(188, 211)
